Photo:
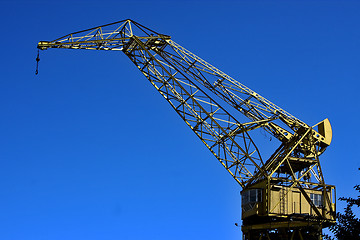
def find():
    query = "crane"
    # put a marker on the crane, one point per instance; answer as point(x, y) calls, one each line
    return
point(283, 196)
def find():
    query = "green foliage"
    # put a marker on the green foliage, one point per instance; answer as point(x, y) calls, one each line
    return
point(347, 225)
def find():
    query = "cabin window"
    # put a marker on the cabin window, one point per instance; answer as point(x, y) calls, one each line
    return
point(251, 196)
point(317, 199)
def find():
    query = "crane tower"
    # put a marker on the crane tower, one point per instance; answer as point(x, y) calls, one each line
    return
point(283, 196)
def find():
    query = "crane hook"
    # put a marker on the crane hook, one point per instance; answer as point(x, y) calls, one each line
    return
point(37, 63)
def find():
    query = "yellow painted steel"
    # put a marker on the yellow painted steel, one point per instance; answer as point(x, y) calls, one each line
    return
point(285, 196)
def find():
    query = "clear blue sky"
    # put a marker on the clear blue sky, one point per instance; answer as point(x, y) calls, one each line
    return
point(89, 150)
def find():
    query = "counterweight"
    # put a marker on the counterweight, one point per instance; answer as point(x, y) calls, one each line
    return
point(284, 196)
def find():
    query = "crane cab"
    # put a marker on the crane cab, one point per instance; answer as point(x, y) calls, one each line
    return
point(277, 201)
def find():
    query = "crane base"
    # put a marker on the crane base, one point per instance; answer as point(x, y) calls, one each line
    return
point(283, 231)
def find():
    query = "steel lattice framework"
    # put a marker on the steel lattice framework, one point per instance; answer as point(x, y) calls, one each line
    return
point(198, 92)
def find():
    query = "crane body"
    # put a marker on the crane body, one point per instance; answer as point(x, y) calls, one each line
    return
point(283, 196)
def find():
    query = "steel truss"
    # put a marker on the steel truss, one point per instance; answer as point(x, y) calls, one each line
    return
point(210, 102)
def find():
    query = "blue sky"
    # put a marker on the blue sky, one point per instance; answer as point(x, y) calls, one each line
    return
point(89, 150)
